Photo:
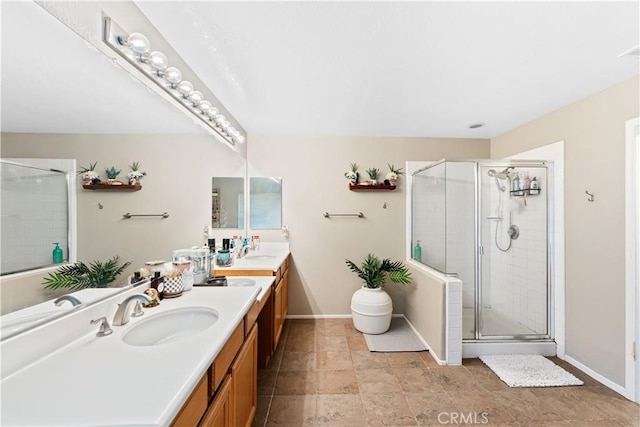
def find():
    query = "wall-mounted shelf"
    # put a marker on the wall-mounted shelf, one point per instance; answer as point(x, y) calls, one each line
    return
point(136, 187)
point(529, 192)
point(359, 187)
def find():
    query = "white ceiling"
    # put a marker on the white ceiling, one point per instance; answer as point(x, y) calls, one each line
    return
point(330, 68)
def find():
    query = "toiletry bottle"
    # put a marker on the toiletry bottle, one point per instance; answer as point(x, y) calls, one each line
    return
point(515, 185)
point(157, 283)
point(417, 252)
point(526, 184)
point(534, 186)
point(256, 242)
point(57, 254)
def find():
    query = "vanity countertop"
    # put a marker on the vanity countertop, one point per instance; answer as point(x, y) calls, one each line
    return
point(269, 257)
point(105, 382)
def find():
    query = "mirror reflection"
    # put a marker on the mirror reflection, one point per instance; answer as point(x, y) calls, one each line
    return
point(227, 202)
point(265, 202)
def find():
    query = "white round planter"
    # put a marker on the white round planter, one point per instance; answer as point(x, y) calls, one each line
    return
point(371, 310)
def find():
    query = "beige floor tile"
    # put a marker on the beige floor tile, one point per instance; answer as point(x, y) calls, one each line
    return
point(331, 342)
point(369, 360)
point(350, 330)
point(300, 343)
point(387, 409)
point(292, 411)
point(296, 383)
point(337, 382)
point(264, 402)
point(341, 410)
point(454, 378)
point(432, 408)
point(334, 360)
point(336, 329)
point(266, 382)
point(405, 359)
point(486, 378)
point(357, 343)
point(302, 329)
point(372, 381)
point(417, 380)
point(428, 359)
point(298, 361)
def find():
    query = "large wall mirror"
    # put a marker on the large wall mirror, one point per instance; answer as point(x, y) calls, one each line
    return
point(60, 91)
point(265, 202)
point(227, 202)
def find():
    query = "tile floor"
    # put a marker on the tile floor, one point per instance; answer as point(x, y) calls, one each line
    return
point(323, 375)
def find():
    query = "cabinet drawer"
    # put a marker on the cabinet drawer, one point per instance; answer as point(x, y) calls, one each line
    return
point(226, 356)
point(254, 312)
point(195, 407)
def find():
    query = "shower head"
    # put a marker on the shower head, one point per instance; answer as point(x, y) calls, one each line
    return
point(495, 175)
point(500, 175)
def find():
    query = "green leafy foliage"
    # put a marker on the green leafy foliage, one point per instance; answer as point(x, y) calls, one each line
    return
point(112, 172)
point(84, 169)
point(374, 271)
point(80, 276)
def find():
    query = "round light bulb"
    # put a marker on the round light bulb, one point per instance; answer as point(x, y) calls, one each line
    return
point(185, 88)
point(204, 106)
point(219, 118)
point(157, 60)
point(240, 139)
point(172, 75)
point(212, 112)
point(136, 42)
point(196, 97)
point(225, 125)
point(232, 132)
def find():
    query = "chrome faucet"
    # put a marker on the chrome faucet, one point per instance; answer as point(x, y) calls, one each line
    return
point(123, 314)
point(73, 300)
point(243, 251)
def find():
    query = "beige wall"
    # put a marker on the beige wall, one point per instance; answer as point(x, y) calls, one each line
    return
point(426, 309)
point(594, 133)
point(313, 183)
point(179, 170)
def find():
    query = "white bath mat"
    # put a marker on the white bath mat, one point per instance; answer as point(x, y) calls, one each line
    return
point(528, 370)
point(399, 337)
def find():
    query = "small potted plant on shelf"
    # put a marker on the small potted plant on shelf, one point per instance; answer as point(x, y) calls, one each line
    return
point(393, 174)
point(135, 174)
point(373, 175)
point(81, 276)
point(352, 174)
point(371, 306)
point(112, 174)
point(89, 175)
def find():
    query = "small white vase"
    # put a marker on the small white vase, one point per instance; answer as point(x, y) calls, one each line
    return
point(371, 310)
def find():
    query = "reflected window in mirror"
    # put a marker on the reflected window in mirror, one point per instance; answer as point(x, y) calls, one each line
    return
point(265, 202)
point(227, 202)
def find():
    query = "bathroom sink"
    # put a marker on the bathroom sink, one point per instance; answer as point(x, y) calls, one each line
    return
point(170, 326)
point(240, 282)
point(259, 257)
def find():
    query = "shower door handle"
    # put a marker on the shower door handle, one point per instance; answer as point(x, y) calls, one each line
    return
point(481, 250)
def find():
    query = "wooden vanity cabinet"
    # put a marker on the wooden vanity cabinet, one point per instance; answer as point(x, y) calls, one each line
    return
point(227, 394)
point(273, 312)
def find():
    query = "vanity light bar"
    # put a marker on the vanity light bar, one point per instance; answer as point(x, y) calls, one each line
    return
point(136, 50)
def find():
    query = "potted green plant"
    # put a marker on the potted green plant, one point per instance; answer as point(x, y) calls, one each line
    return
point(135, 174)
point(371, 306)
point(352, 174)
point(81, 276)
point(89, 174)
point(393, 174)
point(112, 174)
point(373, 175)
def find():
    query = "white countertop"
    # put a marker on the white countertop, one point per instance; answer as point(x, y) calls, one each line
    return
point(269, 257)
point(105, 382)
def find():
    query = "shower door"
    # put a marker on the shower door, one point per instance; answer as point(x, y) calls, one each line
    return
point(514, 286)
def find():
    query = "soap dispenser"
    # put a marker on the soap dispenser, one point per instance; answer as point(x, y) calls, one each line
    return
point(417, 252)
point(58, 257)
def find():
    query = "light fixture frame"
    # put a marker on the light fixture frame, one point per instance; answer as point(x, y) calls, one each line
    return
point(112, 35)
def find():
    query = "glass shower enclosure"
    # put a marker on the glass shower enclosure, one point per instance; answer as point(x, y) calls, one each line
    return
point(488, 223)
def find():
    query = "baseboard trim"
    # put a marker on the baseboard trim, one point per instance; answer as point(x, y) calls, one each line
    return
point(318, 316)
point(607, 382)
point(426, 344)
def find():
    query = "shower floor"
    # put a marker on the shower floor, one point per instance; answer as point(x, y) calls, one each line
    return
point(494, 323)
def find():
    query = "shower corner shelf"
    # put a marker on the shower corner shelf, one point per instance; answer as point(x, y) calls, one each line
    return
point(522, 193)
point(136, 187)
point(360, 187)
